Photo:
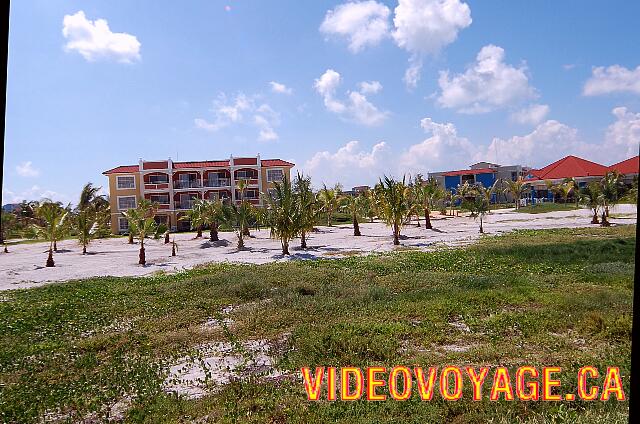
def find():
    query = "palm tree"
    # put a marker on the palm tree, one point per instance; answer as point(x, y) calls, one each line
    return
point(478, 204)
point(565, 190)
point(611, 187)
point(353, 206)
point(87, 214)
point(394, 207)
point(575, 189)
point(242, 188)
point(369, 204)
point(591, 196)
point(54, 219)
point(428, 193)
point(142, 224)
point(211, 214)
point(238, 217)
point(307, 207)
point(330, 199)
point(283, 213)
point(516, 189)
point(195, 217)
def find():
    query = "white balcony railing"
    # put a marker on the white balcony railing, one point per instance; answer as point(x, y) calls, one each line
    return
point(188, 184)
point(217, 182)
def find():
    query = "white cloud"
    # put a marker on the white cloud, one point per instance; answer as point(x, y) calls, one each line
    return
point(623, 136)
point(279, 88)
point(33, 193)
point(444, 149)
point(26, 169)
point(356, 107)
point(370, 87)
point(488, 84)
point(349, 165)
point(94, 40)
point(532, 114)
point(612, 79)
point(363, 23)
point(425, 27)
point(229, 111)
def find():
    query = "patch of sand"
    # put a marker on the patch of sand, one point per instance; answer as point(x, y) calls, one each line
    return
point(24, 266)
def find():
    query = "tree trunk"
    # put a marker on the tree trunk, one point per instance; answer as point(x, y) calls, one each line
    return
point(84, 249)
point(173, 249)
point(240, 240)
point(5, 249)
point(303, 239)
point(606, 210)
point(604, 221)
point(285, 247)
point(50, 262)
point(130, 238)
point(245, 231)
point(329, 219)
point(142, 260)
point(396, 235)
point(481, 229)
point(356, 226)
point(199, 234)
point(213, 232)
point(166, 238)
point(595, 217)
point(427, 219)
point(55, 246)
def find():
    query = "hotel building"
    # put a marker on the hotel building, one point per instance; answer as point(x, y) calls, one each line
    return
point(175, 185)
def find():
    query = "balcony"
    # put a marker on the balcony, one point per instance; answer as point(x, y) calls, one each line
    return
point(187, 184)
point(185, 204)
point(218, 182)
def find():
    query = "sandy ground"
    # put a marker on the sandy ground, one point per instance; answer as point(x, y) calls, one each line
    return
point(24, 267)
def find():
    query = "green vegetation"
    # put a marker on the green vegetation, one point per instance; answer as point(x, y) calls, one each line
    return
point(547, 207)
point(555, 297)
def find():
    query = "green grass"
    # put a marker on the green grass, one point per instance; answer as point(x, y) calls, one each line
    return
point(555, 297)
point(547, 207)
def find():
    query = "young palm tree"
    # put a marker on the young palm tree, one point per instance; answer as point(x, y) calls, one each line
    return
point(238, 217)
point(394, 207)
point(565, 190)
point(516, 189)
point(283, 213)
point(353, 206)
point(591, 196)
point(307, 207)
point(242, 188)
point(142, 225)
point(477, 204)
point(195, 217)
point(86, 227)
point(54, 219)
point(611, 188)
point(330, 199)
point(369, 203)
point(211, 214)
point(428, 193)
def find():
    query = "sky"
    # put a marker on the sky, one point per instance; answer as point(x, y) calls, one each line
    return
point(348, 91)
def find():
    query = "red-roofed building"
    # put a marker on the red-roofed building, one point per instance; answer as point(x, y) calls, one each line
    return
point(174, 185)
point(628, 168)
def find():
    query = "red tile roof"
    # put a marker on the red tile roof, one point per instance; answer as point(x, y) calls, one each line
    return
point(128, 169)
point(469, 172)
point(568, 167)
point(629, 166)
point(276, 162)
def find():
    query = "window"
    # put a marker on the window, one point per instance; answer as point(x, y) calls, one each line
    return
point(125, 181)
point(246, 175)
point(123, 225)
point(158, 179)
point(275, 175)
point(162, 199)
point(126, 202)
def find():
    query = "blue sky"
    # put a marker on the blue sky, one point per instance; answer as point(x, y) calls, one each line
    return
point(512, 82)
